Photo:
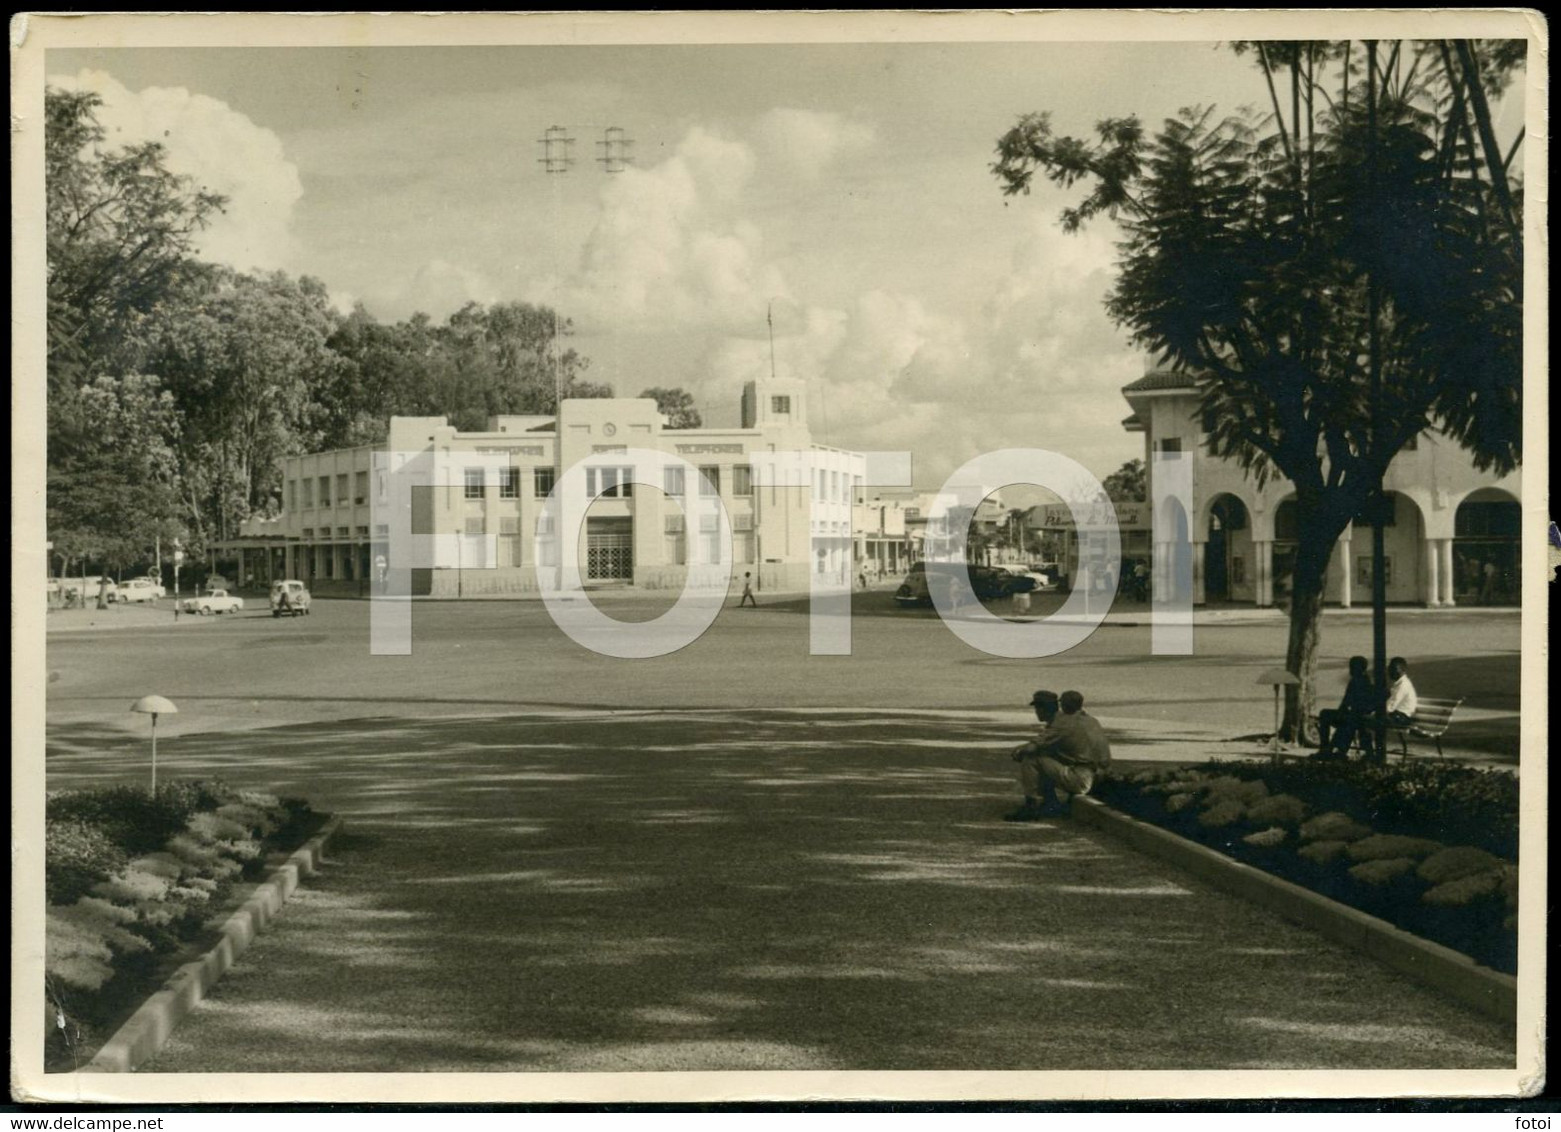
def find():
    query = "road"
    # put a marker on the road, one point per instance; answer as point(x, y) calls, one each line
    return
point(493, 657)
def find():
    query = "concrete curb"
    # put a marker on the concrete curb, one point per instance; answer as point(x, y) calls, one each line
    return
point(1441, 968)
point(145, 1032)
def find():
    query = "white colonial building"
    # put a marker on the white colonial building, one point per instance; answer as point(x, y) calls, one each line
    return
point(485, 506)
point(1453, 537)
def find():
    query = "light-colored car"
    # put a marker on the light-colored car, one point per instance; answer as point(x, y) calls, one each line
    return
point(290, 597)
point(217, 601)
point(138, 590)
point(89, 587)
point(158, 589)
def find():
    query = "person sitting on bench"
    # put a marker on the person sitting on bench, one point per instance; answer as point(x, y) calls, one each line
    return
point(1399, 711)
point(1342, 723)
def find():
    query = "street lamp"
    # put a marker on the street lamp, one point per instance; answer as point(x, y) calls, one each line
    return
point(154, 706)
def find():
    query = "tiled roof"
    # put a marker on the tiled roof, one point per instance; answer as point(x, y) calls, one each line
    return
point(1161, 379)
point(1133, 423)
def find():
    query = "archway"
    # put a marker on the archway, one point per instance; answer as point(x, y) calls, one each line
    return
point(1227, 554)
point(1487, 544)
point(1173, 564)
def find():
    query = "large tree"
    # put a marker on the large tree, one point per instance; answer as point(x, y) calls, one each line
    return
point(119, 228)
point(1337, 276)
point(112, 476)
point(1128, 484)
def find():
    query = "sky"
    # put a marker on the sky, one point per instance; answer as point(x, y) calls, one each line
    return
point(841, 190)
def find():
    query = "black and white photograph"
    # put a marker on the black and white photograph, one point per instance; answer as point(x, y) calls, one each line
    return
point(981, 556)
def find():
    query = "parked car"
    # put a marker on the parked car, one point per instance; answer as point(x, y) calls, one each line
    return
point(290, 596)
point(138, 590)
point(988, 582)
point(158, 589)
point(217, 601)
point(89, 587)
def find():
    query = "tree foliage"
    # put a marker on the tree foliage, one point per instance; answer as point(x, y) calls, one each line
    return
point(176, 386)
point(1370, 214)
point(677, 405)
point(1129, 483)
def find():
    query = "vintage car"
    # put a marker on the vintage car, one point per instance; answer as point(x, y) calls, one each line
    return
point(988, 582)
point(217, 601)
point(290, 597)
point(138, 590)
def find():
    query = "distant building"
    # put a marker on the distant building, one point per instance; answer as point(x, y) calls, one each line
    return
point(1453, 537)
point(633, 535)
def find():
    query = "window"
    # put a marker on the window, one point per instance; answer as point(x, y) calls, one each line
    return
point(474, 526)
point(325, 491)
point(473, 483)
point(341, 488)
point(542, 483)
point(343, 532)
point(672, 480)
point(742, 479)
point(742, 522)
point(292, 495)
point(308, 532)
point(709, 539)
point(742, 548)
point(674, 524)
point(712, 480)
point(383, 484)
point(780, 405)
point(308, 492)
point(609, 483)
point(360, 489)
point(1169, 444)
point(509, 483)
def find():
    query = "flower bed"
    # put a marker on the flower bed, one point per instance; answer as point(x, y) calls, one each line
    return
point(1430, 848)
point(132, 877)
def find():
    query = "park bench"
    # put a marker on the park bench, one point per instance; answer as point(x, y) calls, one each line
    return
point(1432, 717)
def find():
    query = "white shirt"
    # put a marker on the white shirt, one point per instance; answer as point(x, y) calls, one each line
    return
point(1401, 696)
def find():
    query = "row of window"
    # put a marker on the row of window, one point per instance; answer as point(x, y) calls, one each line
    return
point(609, 483)
point(309, 494)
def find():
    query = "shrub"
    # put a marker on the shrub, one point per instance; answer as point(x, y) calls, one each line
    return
point(1385, 846)
point(1457, 893)
point(1176, 803)
point(1333, 827)
point(1266, 839)
point(1230, 788)
point(134, 818)
point(1382, 870)
point(1278, 809)
point(1222, 813)
point(76, 857)
point(1456, 863)
point(1322, 852)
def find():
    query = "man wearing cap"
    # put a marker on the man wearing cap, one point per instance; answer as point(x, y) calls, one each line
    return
point(1065, 756)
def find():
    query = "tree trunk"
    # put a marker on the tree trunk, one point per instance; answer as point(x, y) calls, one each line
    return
point(1318, 528)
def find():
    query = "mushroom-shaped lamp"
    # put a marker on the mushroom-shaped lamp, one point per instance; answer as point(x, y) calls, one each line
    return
point(1278, 677)
point(154, 706)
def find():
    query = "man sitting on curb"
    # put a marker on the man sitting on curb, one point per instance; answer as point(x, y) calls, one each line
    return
point(1065, 756)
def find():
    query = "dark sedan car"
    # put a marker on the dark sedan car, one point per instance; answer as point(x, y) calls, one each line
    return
point(988, 582)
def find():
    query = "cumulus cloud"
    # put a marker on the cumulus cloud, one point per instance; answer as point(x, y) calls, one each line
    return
point(440, 288)
point(670, 249)
point(807, 142)
point(222, 151)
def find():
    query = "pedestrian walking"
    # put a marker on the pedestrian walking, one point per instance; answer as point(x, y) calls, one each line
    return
point(748, 592)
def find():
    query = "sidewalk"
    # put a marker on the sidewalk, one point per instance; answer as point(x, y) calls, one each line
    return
point(647, 891)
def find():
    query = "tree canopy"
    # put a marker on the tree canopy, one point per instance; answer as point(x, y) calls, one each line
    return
point(677, 405)
point(175, 386)
point(1371, 217)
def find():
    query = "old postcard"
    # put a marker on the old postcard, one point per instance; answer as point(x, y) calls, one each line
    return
point(881, 556)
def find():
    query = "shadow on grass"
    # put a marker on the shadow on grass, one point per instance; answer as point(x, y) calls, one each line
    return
point(748, 890)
